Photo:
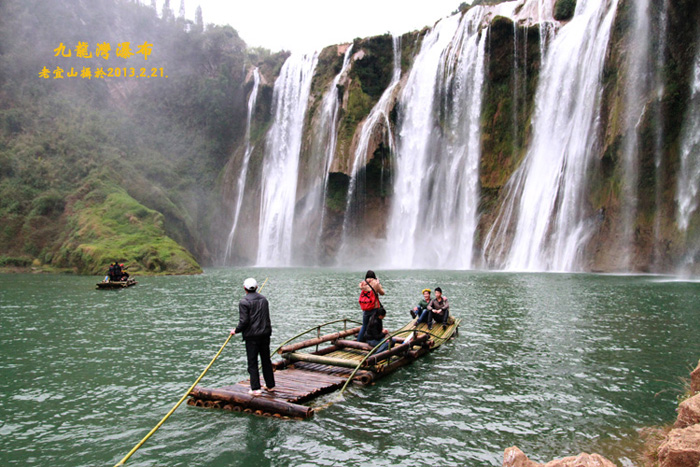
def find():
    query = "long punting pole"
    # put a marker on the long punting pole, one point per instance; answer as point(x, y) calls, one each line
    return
point(187, 393)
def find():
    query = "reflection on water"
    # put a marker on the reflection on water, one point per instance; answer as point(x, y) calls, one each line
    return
point(555, 364)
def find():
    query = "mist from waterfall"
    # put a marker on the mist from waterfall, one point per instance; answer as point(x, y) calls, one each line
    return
point(244, 166)
point(659, 87)
point(545, 203)
point(377, 120)
point(281, 160)
point(310, 217)
point(636, 92)
point(688, 191)
point(433, 215)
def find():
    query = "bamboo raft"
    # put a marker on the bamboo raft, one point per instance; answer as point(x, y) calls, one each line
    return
point(116, 284)
point(307, 371)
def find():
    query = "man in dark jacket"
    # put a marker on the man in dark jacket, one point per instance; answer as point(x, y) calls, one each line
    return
point(254, 323)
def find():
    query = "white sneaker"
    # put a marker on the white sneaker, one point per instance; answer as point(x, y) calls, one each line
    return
point(255, 392)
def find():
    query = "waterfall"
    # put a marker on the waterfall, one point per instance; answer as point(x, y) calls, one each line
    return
point(310, 219)
point(636, 92)
point(244, 166)
point(658, 130)
point(433, 214)
point(281, 161)
point(545, 203)
point(688, 191)
point(377, 117)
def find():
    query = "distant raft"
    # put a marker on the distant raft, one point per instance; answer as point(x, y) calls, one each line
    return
point(307, 371)
point(116, 284)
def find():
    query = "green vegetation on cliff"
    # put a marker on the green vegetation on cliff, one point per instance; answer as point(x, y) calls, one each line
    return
point(106, 224)
point(161, 141)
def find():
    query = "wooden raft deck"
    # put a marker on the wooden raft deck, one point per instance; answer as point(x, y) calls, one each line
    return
point(116, 284)
point(303, 376)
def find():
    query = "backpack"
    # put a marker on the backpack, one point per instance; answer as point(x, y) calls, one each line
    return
point(367, 300)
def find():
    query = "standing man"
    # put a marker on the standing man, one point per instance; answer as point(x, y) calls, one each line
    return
point(254, 323)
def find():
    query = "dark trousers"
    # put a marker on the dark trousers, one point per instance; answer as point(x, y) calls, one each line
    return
point(366, 315)
point(255, 346)
point(439, 318)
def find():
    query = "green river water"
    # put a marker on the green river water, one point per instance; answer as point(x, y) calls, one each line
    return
point(553, 363)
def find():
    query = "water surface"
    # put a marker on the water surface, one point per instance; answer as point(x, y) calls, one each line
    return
point(553, 363)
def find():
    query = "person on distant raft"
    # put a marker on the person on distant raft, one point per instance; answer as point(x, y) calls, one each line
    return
point(125, 275)
point(255, 325)
point(117, 272)
point(439, 309)
point(422, 307)
point(110, 272)
point(369, 301)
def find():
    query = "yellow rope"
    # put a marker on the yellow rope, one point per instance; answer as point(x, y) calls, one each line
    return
point(136, 448)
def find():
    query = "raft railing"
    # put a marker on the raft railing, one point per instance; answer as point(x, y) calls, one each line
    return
point(374, 350)
point(316, 328)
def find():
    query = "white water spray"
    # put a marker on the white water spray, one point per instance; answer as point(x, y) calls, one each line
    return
point(433, 215)
point(281, 163)
point(688, 191)
point(546, 193)
point(310, 217)
point(377, 118)
point(244, 166)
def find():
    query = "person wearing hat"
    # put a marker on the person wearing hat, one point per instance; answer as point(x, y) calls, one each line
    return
point(418, 310)
point(255, 326)
point(439, 309)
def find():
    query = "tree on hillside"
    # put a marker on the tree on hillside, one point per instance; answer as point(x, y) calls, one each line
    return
point(198, 19)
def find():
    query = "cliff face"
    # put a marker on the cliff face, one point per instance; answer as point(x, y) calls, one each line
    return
point(414, 149)
point(628, 205)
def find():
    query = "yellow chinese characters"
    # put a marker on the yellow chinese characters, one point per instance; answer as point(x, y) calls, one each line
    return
point(104, 49)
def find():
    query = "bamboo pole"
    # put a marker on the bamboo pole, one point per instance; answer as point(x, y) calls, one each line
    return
point(317, 340)
point(353, 344)
point(322, 359)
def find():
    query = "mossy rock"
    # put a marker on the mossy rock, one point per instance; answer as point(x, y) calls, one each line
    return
point(108, 225)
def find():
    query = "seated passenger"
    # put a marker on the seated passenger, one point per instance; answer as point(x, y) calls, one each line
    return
point(125, 275)
point(439, 309)
point(418, 310)
point(375, 332)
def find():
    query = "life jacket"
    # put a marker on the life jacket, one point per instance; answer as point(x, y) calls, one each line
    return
point(367, 300)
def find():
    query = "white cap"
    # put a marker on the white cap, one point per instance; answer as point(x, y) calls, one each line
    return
point(250, 284)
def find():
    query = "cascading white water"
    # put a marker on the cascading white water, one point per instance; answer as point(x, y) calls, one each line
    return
point(281, 160)
point(325, 136)
point(379, 115)
point(636, 94)
point(688, 191)
point(545, 198)
point(658, 128)
point(244, 166)
point(433, 214)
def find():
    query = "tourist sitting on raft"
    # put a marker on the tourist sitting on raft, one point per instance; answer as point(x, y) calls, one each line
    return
point(438, 310)
point(369, 301)
point(375, 332)
point(125, 275)
point(422, 306)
